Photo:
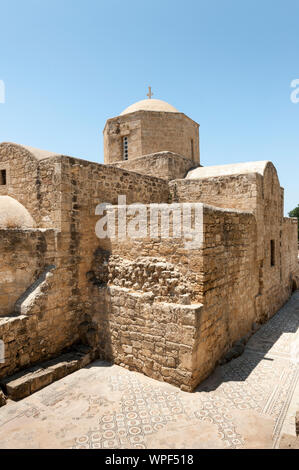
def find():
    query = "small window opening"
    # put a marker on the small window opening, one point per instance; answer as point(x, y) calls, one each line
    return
point(192, 149)
point(272, 249)
point(125, 148)
point(3, 177)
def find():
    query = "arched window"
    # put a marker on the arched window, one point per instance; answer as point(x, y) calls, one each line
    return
point(125, 148)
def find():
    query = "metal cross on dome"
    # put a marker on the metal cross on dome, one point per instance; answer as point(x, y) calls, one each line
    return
point(149, 94)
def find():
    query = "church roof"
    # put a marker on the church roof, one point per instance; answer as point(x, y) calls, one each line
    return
point(38, 154)
point(150, 105)
point(13, 214)
point(227, 170)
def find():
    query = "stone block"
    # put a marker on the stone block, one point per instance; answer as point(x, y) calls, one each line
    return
point(2, 399)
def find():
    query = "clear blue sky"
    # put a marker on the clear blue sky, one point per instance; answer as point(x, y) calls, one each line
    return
point(68, 65)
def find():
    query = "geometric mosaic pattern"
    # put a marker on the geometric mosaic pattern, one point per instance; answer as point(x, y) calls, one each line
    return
point(104, 407)
point(247, 383)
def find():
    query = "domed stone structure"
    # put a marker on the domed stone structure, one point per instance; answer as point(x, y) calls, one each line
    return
point(228, 262)
point(150, 105)
point(149, 127)
point(14, 215)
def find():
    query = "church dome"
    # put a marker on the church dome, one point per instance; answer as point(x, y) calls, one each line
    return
point(13, 214)
point(150, 105)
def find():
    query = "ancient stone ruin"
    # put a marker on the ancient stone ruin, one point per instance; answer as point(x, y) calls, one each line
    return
point(154, 305)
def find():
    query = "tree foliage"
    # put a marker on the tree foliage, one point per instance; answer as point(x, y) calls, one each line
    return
point(295, 213)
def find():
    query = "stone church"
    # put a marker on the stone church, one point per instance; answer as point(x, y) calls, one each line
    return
point(150, 305)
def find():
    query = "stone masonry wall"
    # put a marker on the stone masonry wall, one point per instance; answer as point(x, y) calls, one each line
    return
point(157, 339)
point(115, 130)
point(166, 265)
point(151, 132)
point(273, 286)
point(290, 266)
point(152, 305)
point(261, 195)
point(230, 284)
point(63, 193)
point(85, 185)
point(149, 274)
point(44, 320)
point(235, 191)
point(21, 263)
point(166, 165)
point(126, 306)
point(172, 132)
point(35, 184)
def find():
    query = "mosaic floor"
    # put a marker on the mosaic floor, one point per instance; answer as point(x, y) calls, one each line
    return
point(247, 403)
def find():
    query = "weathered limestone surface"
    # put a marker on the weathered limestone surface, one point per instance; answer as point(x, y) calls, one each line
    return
point(157, 339)
point(39, 320)
point(150, 132)
point(167, 165)
point(2, 399)
point(261, 194)
point(244, 404)
point(35, 378)
point(33, 182)
point(42, 311)
point(152, 304)
point(222, 275)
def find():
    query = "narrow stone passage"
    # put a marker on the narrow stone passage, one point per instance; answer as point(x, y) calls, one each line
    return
point(247, 403)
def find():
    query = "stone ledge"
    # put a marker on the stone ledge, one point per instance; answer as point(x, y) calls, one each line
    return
point(6, 321)
point(168, 165)
point(288, 441)
point(35, 378)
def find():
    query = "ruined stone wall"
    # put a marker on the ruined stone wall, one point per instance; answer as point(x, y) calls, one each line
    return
point(60, 192)
point(19, 265)
point(162, 264)
point(150, 132)
point(166, 165)
point(168, 281)
point(142, 274)
point(43, 320)
point(85, 185)
point(52, 317)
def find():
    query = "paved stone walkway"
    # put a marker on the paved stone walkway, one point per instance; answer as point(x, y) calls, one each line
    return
point(247, 403)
